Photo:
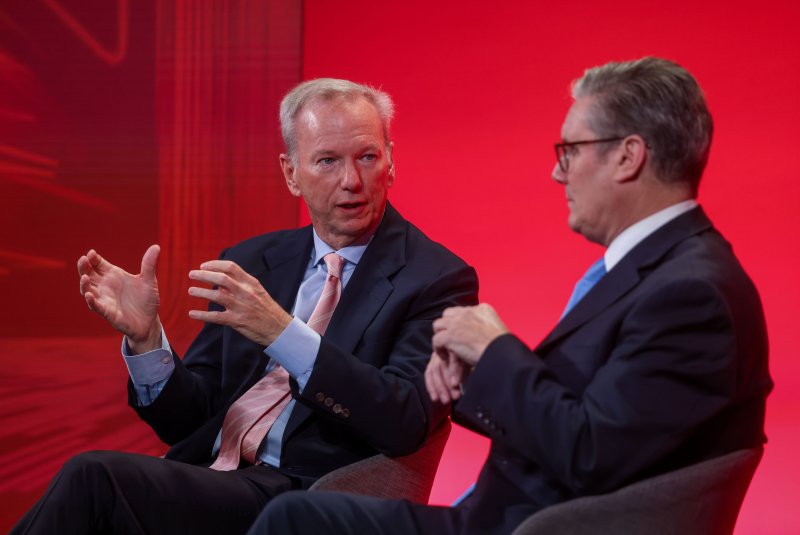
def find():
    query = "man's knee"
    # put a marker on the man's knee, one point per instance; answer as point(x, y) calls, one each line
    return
point(90, 469)
point(282, 513)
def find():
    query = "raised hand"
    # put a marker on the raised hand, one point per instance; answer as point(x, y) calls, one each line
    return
point(128, 302)
point(248, 307)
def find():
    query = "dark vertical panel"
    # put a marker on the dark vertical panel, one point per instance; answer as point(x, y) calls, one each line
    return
point(122, 124)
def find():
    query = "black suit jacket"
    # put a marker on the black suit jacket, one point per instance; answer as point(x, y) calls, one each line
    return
point(366, 392)
point(661, 365)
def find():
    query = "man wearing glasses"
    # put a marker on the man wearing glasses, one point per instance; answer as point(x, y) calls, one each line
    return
point(659, 360)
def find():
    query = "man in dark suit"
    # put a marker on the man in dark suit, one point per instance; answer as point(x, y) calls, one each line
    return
point(659, 361)
point(363, 286)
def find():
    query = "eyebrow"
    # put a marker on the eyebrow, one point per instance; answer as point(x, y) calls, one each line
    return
point(331, 152)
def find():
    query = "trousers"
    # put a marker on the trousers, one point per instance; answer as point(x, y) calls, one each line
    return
point(113, 492)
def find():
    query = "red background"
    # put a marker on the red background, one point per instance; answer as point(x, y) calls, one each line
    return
point(481, 91)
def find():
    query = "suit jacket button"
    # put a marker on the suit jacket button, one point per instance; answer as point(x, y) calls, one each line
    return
point(320, 397)
point(328, 401)
point(337, 408)
point(345, 413)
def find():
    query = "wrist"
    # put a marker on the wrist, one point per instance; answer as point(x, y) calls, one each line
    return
point(150, 342)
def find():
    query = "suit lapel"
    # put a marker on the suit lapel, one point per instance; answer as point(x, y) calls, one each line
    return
point(285, 264)
point(370, 286)
point(628, 273)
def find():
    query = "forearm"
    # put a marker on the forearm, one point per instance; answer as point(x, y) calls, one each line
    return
point(593, 416)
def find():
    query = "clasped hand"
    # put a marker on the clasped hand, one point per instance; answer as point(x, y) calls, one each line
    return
point(248, 308)
point(460, 338)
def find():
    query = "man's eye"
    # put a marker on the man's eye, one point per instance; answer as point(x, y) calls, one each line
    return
point(325, 161)
point(369, 157)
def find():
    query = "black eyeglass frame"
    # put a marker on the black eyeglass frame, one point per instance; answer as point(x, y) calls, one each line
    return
point(561, 148)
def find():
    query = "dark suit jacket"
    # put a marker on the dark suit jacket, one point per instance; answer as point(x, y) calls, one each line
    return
point(370, 363)
point(661, 365)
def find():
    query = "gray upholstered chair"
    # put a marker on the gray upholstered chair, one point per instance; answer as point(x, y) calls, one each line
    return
point(409, 477)
point(702, 499)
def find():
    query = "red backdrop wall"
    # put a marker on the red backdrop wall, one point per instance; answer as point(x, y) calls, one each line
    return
point(481, 91)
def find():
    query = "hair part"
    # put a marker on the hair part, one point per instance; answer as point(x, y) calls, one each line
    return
point(659, 100)
point(329, 89)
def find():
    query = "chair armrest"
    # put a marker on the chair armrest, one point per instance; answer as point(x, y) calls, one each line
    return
point(700, 499)
point(408, 477)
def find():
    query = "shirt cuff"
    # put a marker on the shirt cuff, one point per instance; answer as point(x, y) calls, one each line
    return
point(296, 350)
point(151, 367)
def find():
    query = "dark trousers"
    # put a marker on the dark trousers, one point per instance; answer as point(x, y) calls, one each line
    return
point(331, 513)
point(113, 492)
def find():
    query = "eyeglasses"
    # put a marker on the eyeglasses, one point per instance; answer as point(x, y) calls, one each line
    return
point(563, 154)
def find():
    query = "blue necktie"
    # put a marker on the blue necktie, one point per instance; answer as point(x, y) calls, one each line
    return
point(589, 279)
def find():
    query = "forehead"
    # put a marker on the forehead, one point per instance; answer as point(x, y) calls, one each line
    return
point(576, 123)
point(338, 120)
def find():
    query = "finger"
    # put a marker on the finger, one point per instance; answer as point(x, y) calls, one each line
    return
point(439, 324)
point(451, 371)
point(439, 342)
point(430, 370)
point(94, 259)
point(428, 386)
point(453, 311)
point(222, 266)
point(211, 277)
point(85, 284)
point(150, 262)
point(438, 387)
point(83, 266)
point(455, 371)
point(209, 316)
point(215, 296)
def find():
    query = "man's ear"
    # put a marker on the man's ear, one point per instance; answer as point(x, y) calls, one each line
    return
point(631, 158)
point(288, 173)
point(390, 158)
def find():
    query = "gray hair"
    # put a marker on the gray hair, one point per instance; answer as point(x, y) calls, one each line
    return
point(660, 101)
point(329, 89)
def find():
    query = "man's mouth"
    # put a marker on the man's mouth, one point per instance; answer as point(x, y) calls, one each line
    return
point(350, 205)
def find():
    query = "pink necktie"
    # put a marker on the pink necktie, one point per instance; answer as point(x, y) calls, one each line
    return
point(249, 419)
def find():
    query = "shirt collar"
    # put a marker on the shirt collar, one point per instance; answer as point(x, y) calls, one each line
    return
point(351, 253)
point(633, 235)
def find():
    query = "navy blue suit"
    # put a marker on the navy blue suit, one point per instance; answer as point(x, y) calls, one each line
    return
point(661, 365)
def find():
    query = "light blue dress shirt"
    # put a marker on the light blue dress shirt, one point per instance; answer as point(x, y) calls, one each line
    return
point(295, 349)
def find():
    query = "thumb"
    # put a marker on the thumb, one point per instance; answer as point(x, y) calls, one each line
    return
point(149, 262)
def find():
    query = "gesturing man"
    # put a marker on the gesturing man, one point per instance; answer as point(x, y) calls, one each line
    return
point(267, 401)
point(658, 362)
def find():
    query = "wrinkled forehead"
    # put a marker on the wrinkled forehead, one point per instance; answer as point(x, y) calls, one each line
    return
point(337, 103)
point(333, 122)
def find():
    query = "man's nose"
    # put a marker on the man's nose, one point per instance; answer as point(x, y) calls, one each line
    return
point(558, 174)
point(351, 179)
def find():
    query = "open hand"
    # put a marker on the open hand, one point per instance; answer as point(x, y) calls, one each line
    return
point(128, 302)
point(248, 307)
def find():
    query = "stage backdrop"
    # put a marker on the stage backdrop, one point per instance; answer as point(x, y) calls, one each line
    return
point(128, 123)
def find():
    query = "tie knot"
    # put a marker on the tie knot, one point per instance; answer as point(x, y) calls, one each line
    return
point(334, 263)
point(595, 271)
